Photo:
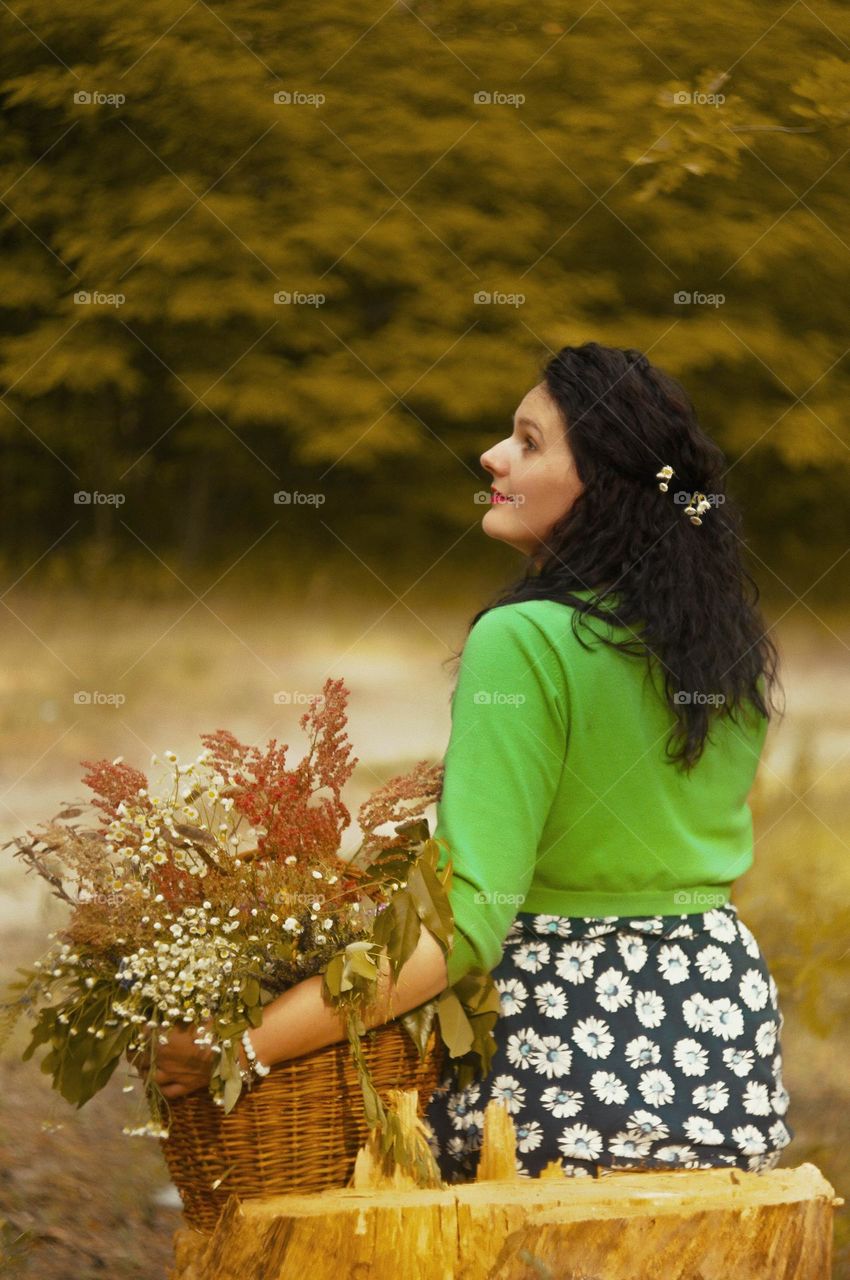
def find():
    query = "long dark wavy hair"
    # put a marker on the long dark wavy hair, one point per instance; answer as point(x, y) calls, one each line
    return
point(680, 589)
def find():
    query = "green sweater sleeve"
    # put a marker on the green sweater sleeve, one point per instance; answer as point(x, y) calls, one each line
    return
point(501, 771)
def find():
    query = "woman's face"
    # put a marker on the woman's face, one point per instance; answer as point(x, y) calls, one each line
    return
point(534, 475)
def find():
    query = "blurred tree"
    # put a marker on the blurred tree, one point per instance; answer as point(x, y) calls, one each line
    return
point(185, 168)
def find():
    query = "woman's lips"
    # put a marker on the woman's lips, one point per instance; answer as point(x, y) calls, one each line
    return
point(500, 497)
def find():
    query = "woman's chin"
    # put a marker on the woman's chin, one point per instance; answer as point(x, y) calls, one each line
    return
point(498, 528)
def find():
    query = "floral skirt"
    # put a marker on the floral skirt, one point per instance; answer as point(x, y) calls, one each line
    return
point(648, 1042)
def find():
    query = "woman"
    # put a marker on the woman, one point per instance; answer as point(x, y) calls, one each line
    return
point(607, 723)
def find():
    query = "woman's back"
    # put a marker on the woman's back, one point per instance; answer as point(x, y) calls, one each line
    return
point(557, 791)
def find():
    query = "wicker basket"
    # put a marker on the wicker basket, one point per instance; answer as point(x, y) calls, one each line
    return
point(297, 1131)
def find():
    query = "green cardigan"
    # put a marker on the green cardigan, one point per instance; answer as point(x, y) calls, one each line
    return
point(557, 799)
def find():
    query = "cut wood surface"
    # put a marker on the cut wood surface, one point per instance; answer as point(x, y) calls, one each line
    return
point(717, 1224)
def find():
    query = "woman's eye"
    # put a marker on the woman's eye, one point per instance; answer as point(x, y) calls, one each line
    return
point(529, 441)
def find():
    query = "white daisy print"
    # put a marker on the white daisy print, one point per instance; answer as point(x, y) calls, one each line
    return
point(649, 1008)
point(766, 1039)
point(756, 1164)
point(605, 925)
point(580, 1142)
point(592, 1035)
point(644, 1124)
point(613, 990)
point(552, 1057)
point(507, 1089)
point(682, 930)
point(574, 964)
point(642, 1052)
point(531, 956)
point(696, 1011)
point(690, 1057)
point(474, 1127)
point(714, 964)
point(652, 924)
point(675, 1154)
point(726, 1019)
point(512, 996)
point(456, 1146)
point(629, 1147)
point(739, 1060)
point(699, 1129)
point(558, 925)
point(521, 1045)
point(753, 989)
point(756, 1099)
point(749, 1139)
point(461, 1104)
point(778, 1134)
point(750, 945)
point(656, 1087)
point(529, 1135)
point(551, 1000)
point(720, 925)
point(634, 953)
point(608, 1087)
point(563, 1103)
point(780, 1100)
point(711, 1097)
point(673, 964)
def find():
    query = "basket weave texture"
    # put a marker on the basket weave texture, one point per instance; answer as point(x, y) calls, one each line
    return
point(296, 1131)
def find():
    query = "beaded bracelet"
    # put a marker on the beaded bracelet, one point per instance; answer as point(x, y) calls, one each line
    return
point(254, 1062)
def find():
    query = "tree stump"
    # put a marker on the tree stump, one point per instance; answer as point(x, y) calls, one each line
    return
point(684, 1224)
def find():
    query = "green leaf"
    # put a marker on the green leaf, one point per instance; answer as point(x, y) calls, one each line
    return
point(455, 1026)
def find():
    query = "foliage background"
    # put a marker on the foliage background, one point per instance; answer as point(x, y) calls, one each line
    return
point(399, 197)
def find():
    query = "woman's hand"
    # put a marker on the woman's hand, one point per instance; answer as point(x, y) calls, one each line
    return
point(181, 1065)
